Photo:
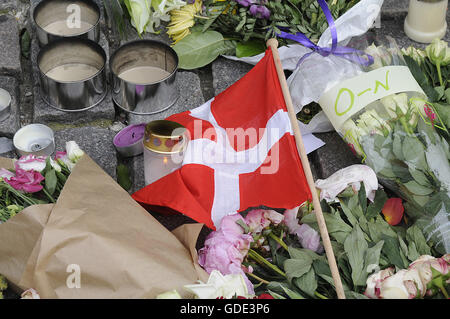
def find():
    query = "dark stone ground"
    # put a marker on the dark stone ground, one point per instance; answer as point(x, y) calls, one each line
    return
point(95, 129)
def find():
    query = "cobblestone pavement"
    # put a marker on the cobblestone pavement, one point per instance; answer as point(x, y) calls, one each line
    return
point(94, 129)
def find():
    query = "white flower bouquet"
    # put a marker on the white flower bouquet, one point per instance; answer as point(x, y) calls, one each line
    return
point(385, 117)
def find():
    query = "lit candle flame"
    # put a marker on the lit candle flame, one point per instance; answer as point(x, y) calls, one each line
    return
point(165, 160)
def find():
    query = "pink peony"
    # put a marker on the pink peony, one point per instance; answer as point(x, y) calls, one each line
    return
point(226, 249)
point(5, 174)
point(229, 225)
point(259, 219)
point(309, 238)
point(27, 181)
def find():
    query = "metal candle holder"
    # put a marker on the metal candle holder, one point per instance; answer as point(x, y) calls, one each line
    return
point(5, 104)
point(144, 98)
point(78, 95)
point(49, 12)
point(35, 139)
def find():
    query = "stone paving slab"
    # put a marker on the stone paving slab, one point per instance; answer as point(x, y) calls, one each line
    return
point(226, 72)
point(10, 47)
point(333, 156)
point(43, 113)
point(394, 27)
point(9, 126)
point(95, 141)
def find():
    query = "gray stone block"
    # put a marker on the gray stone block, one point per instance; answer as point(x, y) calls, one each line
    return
point(43, 113)
point(333, 156)
point(10, 46)
point(190, 96)
point(394, 27)
point(96, 142)
point(226, 72)
point(394, 6)
point(9, 126)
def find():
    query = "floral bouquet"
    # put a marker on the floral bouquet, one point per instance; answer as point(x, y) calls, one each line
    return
point(281, 254)
point(35, 180)
point(431, 69)
point(385, 117)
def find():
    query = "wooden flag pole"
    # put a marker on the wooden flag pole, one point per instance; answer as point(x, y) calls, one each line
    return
point(273, 44)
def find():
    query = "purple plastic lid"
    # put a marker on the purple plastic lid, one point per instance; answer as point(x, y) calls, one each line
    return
point(128, 141)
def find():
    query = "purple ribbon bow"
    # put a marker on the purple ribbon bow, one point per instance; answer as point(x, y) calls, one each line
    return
point(351, 54)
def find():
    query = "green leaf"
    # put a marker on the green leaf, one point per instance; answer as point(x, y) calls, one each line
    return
point(123, 177)
point(281, 287)
point(301, 253)
point(199, 49)
point(414, 152)
point(372, 258)
point(50, 181)
point(415, 235)
point(296, 268)
point(307, 283)
point(354, 295)
point(355, 246)
point(337, 228)
point(418, 189)
point(391, 249)
point(250, 48)
point(374, 209)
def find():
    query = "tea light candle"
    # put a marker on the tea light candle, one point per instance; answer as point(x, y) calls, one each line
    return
point(426, 20)
point(128, 142)
point(35, 139)
point(5, 104)
point(164, 144)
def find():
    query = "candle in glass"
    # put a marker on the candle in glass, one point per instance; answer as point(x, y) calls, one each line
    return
point(164, 144)
point(426, 20)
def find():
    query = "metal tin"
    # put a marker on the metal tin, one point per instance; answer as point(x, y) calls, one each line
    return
point(5, 104)
point(128, 142)
point(144, 98)
point(72, 96)
point(54, 11)
point(36, 139)
point(165, 137)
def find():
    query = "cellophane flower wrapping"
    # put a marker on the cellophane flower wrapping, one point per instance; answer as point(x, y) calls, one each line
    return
point(387, 121)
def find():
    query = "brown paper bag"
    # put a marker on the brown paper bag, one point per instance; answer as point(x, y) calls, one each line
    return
point(97, 231)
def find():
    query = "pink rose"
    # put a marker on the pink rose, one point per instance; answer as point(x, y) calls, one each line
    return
point(27, 181)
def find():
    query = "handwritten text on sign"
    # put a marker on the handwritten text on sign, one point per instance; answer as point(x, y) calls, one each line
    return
point(350, 96)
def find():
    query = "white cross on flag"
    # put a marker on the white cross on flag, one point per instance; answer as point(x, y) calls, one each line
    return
point(241, 154)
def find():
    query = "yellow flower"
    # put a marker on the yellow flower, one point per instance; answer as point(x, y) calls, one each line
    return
point(181, 20)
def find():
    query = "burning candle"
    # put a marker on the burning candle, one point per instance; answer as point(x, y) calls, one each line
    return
point(164, 145)
point(426, 20)
point(5, 104)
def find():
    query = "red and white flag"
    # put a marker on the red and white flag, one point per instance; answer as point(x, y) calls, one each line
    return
point(241, 154)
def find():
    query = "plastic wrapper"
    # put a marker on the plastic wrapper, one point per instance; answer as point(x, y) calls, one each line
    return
point(385, 117)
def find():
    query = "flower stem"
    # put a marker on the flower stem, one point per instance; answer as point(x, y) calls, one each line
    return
point(48, 195)
point(438, 66)
point(319, 295)
point(261, 260)
point(257, 278)
point(20, 195)
point(278, 240)
point(444, 292)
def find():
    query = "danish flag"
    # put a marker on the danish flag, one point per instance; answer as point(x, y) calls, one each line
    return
point(218, 176)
